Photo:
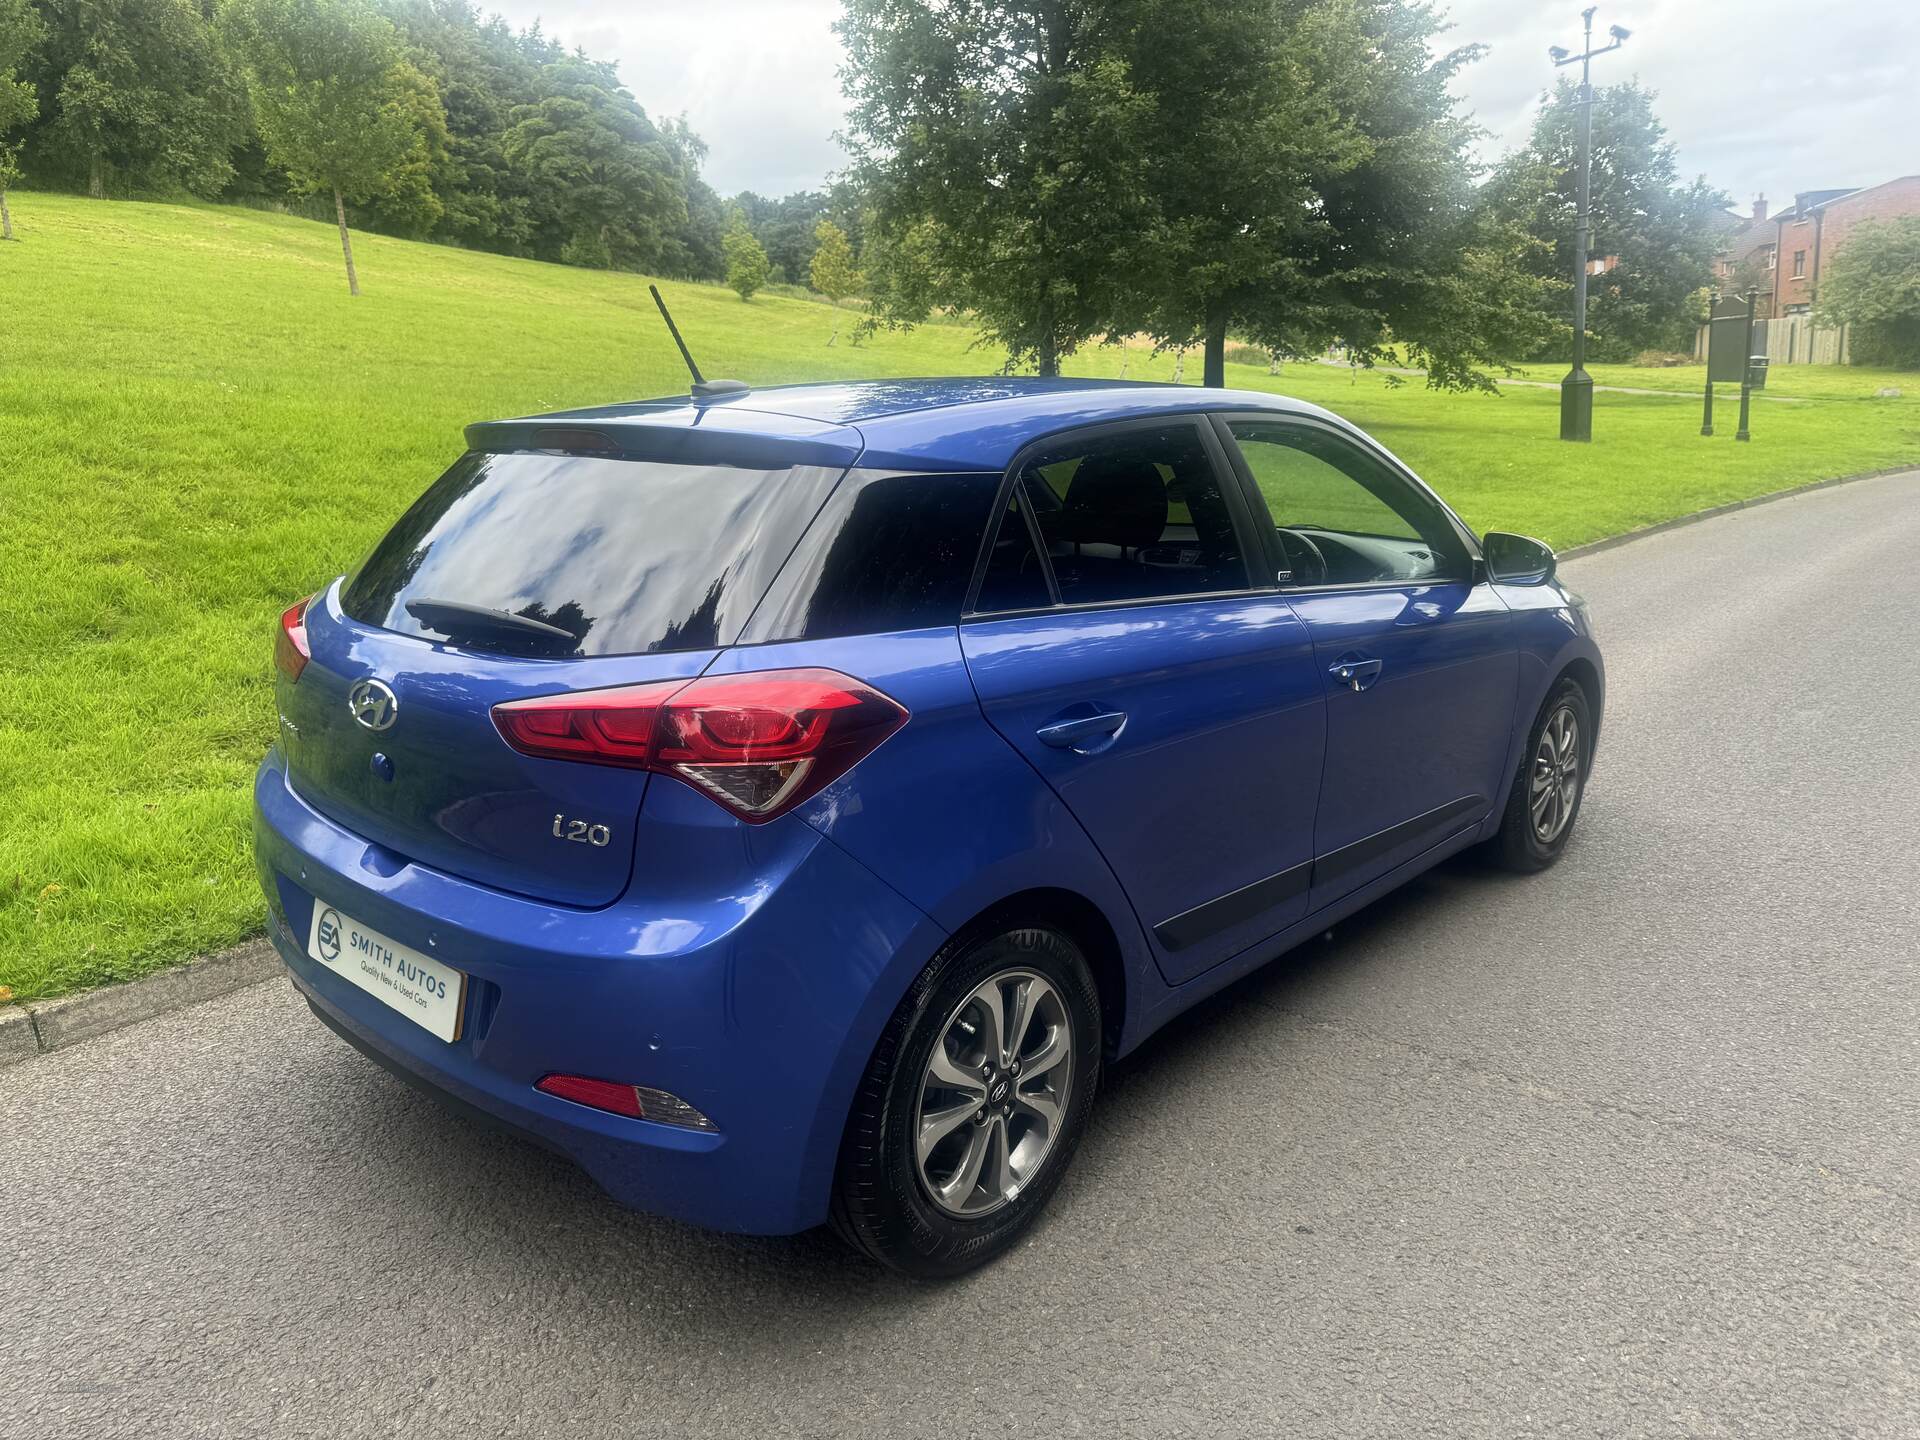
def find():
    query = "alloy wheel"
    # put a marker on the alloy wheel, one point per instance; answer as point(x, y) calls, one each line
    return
point(1556, 775)
point(993, 1095)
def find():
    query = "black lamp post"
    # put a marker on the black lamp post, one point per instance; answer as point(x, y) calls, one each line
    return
point(1576, 391)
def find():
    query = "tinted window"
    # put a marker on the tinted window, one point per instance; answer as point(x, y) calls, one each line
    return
point(889, 552)
point(624, 556)
point(1016, 579)
point(1134, 514)
point(1344, 517)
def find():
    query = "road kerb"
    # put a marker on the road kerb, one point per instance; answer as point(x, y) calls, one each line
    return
point(55, 1024)
point(1613, 542)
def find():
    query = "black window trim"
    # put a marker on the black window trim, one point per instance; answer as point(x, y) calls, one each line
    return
point(1366, 445)
point(1255, 554)
point(755, 630)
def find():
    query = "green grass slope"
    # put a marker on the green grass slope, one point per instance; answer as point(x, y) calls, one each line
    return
point(197, 425)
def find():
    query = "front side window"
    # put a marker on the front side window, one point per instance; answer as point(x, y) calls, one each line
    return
point(1343, 516)
point(1134, 514)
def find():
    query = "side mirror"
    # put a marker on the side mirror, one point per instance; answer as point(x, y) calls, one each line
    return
point(1517, 560)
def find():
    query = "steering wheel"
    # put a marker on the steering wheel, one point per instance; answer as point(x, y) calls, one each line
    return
point(1300, 551)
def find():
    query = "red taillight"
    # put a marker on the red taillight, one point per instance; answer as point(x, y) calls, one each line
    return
point(290, 651)
point(600, 1094)
point(636, 1102)
point(759, 743)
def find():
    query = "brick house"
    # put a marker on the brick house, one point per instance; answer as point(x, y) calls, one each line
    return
point(1785, 255)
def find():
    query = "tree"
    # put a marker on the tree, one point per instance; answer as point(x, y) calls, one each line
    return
point(1665, 231)
point(329, 97)
point(608, 187)
point(1000, 147)
point(409, 201)
point(832, 271)
point(20, 31)
point(1310, 185)
point(134, 94)
point(1873, 285)
point(746, 261)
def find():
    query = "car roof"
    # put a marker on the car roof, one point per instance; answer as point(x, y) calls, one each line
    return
point(958, 423)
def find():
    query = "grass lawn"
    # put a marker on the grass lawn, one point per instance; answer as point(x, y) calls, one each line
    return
point(197, 426)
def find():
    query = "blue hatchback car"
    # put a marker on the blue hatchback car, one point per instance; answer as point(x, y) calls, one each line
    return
point(783, 803)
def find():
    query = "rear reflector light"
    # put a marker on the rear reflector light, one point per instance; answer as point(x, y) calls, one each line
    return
point(636, 1102)
point(759, 743)
point(290, 652)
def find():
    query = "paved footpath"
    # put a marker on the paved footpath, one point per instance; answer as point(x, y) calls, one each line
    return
point(1632, 1148)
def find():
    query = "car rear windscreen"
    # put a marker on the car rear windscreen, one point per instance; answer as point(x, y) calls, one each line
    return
point(550, 554)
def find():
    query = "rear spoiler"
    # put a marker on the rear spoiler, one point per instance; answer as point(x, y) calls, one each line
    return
point(679, 435)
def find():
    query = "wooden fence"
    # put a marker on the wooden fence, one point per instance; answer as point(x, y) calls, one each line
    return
point(1791, 340)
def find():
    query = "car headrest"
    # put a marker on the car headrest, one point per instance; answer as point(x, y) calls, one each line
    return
point(1115, 500)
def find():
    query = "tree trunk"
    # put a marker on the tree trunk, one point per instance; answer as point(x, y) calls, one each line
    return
point(1047, 351)
point(1214, 371)
point(6, 216)
point(1179, 364)
point(96, 180)
point(346, 243)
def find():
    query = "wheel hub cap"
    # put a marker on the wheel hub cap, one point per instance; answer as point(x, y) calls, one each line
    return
point(1555, 784)
point(993, 1094)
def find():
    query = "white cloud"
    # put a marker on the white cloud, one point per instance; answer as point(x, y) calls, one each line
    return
point(1773, 95)
point(757, 79)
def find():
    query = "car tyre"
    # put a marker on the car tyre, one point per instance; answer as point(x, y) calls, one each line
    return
point(903, 1193)
point(1551, 781)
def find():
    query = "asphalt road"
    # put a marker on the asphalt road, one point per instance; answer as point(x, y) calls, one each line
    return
point(1629, 1148)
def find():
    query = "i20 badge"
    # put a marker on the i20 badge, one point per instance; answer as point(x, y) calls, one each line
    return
point(373, 704)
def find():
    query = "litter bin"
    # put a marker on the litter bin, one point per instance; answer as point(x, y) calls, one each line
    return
point(1757, 371)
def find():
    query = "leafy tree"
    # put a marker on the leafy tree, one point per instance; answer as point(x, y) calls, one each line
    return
point(832, 271)
point(785, 227)
point(1663, 229)
point(606, 185)
point(20, 31)
point(1873, 285)
point(1002, 145)
point(330, 98)
point(135, 92)
point(409, 202)
point(1310, 185)
point(746, 260)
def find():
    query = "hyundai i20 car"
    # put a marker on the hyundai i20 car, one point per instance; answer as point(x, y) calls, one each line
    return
point(785, 803)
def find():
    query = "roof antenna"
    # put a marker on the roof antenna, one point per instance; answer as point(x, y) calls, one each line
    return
point(702, 387)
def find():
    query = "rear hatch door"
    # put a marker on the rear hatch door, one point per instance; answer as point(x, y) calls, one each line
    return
point(521, 574)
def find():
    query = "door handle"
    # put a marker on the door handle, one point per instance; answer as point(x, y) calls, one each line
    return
point(1085, 734)
point(1356, 672)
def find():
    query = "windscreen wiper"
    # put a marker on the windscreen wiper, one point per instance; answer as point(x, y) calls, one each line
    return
point(450, 617)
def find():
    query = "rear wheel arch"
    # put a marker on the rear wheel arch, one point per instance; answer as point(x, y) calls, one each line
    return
point(1081, 921)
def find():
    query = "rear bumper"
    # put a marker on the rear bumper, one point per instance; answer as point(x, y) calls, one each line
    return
point(756, 998)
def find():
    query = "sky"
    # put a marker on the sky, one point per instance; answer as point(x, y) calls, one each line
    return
point(1762, 96)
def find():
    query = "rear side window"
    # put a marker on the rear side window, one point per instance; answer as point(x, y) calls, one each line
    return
point(1134, 514)
point(605, 556)
point(889, 552)
point(1016, 576)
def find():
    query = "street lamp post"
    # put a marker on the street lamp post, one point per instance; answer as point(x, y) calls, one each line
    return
point(1576, 391)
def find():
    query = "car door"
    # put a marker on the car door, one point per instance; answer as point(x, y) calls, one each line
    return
point(1126, 638)
point(1416, 651)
